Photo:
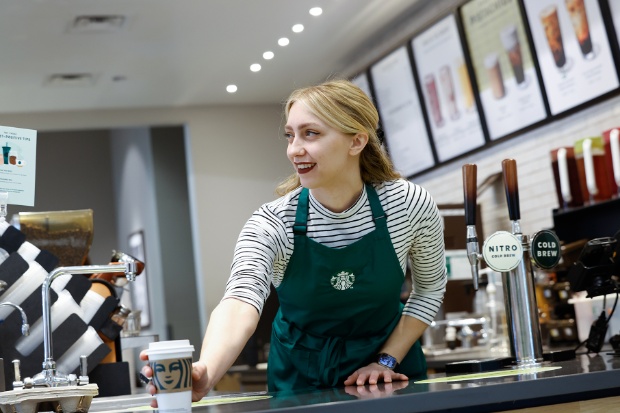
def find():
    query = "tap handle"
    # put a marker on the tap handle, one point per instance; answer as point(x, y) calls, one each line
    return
point(509, 167)
point(470, 189)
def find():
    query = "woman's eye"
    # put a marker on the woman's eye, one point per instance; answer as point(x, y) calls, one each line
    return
point(311, 133)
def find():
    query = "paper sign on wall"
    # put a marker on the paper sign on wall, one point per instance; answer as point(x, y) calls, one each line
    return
point(18, 164)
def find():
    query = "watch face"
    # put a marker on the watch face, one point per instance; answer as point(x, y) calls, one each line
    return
point(387, 361)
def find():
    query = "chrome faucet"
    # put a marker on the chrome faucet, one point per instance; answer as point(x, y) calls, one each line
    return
point(49, 376)
point(25, 326)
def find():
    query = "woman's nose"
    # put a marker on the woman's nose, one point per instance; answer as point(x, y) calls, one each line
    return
point(295, 148)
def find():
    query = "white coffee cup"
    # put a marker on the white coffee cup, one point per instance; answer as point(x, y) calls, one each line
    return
point(171, 362)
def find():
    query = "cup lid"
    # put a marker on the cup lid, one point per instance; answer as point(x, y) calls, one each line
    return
point(169, 346)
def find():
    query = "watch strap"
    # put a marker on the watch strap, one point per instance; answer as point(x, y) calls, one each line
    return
point(387, 361)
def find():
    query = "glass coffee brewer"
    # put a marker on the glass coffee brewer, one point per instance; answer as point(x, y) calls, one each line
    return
point(510, 253)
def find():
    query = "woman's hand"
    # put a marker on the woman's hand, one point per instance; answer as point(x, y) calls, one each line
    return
point(200, 385)
point(147, 373)
point(373, 374)
point(200, 382)
point(375, 391)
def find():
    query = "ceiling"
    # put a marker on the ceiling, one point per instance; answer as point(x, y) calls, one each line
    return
point(173, 53)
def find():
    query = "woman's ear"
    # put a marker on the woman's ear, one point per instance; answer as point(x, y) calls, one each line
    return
point(358, 143)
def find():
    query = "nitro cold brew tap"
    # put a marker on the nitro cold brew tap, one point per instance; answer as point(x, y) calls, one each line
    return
point(508, 253)
point(469, 195)
point(518, 283)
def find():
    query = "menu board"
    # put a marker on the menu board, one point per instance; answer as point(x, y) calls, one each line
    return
point(510, 93)
point(446, 86)
point(573, 51)
point(401, 113)
point(614, 5)
point(361, 81)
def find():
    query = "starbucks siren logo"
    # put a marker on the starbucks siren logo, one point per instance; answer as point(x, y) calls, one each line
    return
point(343, 280)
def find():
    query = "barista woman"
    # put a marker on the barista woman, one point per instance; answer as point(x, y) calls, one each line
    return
point(335, 246)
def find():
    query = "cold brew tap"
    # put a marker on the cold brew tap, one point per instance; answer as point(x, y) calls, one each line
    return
point(511, 184)
point(508, 253)
point(518, 283)
point(470, 189)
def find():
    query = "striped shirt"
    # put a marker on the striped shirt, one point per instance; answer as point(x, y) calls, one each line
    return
point(265, 244)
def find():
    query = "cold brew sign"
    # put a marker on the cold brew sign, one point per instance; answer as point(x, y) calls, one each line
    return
point(546, 250)
point(502, 251)
point(507, 80)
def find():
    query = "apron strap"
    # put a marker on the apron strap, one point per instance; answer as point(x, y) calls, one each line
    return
point(301, 215)
point(378, 215)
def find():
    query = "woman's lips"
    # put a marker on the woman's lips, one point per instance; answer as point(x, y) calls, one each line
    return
point(304, 168)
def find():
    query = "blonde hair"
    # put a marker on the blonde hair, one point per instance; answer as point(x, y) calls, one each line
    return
point(346, 108)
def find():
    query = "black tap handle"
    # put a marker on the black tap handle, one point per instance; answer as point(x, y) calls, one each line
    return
point(470, 189)
point(509, 167)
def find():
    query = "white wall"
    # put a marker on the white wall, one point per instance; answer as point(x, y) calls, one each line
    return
point(236, 157)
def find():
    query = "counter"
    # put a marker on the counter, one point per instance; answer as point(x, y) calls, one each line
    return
point(586, 377)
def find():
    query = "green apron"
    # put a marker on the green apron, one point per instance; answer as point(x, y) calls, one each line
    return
point(337, 307)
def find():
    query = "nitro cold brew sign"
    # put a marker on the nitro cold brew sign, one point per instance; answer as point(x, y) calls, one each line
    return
point(502, 251)
point(546, 249)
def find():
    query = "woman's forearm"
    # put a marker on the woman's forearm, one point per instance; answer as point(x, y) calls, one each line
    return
point(405, 334)
point(231, 325)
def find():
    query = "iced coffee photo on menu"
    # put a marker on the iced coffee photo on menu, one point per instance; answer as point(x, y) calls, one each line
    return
point(446, 88)
point(507, 79)
point(573, 51)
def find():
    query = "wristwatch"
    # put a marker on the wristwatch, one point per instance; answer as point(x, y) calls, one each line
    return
point(388, 361)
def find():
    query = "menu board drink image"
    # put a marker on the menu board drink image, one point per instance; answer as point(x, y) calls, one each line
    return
point(573, 51)
point(401, 114)
point(508, 84)
point(446, 87)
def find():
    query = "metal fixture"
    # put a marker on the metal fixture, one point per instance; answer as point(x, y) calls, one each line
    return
point(25, 326)
point(50, 377)
point(517, 276)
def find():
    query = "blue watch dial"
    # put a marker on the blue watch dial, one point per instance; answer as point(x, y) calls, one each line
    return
point(388, 361)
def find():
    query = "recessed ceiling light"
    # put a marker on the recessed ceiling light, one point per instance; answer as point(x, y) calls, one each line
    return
point(268, 55)
point(316, 11)
point(298, 28)
point(98, 23)
point(71, 79)
point(255, 67)
point(231, 88)
point(283, 41)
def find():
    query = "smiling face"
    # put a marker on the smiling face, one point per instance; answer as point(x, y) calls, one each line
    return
point(324, 158)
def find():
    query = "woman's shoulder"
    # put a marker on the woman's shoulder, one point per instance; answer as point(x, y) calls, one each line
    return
point(400, 188)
